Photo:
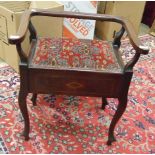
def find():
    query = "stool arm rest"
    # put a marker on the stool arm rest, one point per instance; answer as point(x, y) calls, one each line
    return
point(133, 37)
point(23, 28)
point(135, 42)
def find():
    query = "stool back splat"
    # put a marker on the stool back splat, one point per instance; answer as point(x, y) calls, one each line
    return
point(75, 66)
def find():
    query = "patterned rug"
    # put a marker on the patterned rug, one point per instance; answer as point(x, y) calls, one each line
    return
point(67, 124)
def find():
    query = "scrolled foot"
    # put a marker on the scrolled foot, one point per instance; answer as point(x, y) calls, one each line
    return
point(26, 136)
point(111, 139)
point(103, 107)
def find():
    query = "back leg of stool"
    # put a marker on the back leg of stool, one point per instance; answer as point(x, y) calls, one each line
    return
point(104, 102)
point(33, 99)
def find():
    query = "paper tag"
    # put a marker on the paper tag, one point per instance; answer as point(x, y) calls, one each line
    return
point(80, 28)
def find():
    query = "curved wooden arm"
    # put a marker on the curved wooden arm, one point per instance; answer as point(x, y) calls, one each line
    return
point(33, 33)
point(19, 37)
point(133, 37)
point(132, 62)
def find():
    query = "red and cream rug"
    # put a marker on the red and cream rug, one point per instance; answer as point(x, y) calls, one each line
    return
point(67, 124)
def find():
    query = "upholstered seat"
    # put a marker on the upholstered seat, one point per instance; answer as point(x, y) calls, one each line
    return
point(62, 53)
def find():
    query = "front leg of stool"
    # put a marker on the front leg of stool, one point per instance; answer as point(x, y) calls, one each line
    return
point(119, 112)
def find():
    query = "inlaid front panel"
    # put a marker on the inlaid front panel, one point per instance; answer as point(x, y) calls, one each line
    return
point(75, 85)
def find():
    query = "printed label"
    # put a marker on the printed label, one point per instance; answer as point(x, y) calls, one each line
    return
point(80, 28)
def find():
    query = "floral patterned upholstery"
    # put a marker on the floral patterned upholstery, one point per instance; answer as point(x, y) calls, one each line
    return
point(75, 54)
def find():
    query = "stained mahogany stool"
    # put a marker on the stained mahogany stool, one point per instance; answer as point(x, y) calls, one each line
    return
point(75, 66)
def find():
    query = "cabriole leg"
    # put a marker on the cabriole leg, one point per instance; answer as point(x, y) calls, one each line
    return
point(24, 111)
point(119, 112)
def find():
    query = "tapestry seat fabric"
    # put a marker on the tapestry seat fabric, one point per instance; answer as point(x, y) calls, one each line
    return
point(67, 53)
